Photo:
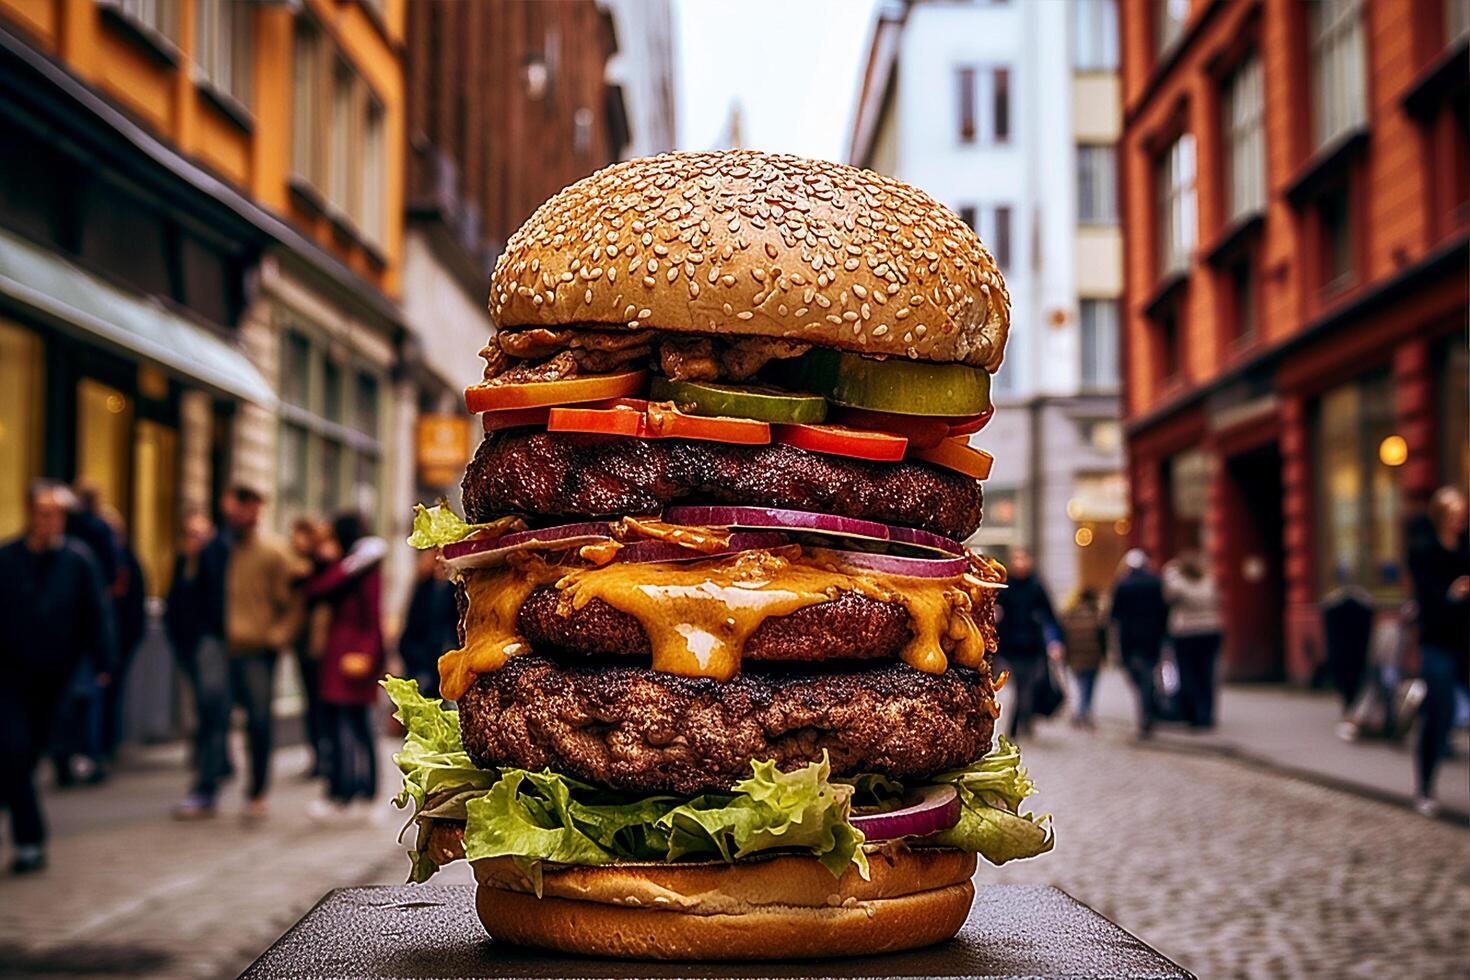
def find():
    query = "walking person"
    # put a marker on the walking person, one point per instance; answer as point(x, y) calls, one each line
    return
point(259, 623)
point(430, 626)
point(1439, 564)
point(1028, 633)
point(1139, 613)
point(352, 588)
point(54, 615)
point(1195, 626)
point(1086, 637)
point(130, 615)
point(309, 539)
point(194, 620)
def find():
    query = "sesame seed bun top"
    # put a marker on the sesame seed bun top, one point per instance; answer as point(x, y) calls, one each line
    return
point(757, 244)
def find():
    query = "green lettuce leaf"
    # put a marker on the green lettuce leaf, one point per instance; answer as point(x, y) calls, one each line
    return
point(991, 823)
point(434, 527)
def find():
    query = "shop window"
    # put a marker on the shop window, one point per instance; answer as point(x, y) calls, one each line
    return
point(1094, 35)
point(1245, 141)
point(1099, 327)
point(224, 46)
point(296, 370)
point(104, 437)
point(1175, 205)
point(1169, 18)
point(153, 528)
point(1359, 530)
point(1097, 185)
point(1335, 32)
point(22, 376)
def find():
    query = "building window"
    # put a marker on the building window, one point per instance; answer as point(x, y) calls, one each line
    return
point(984, 103)
point(1174, 184)
point(306, 117)
point(340, 159)
point(967, 215)
point(965, 91)
point(1338, 104)
point(372, 207)
point(1453, 391)
point(1245, 140)
point(1169, 18)
point(1000, 236)
point(1456, 19)
point(1094, 35)
point(1099, 344)
point(330, 445)
point(223, 46)
point(1335, 220)
point(1171, 357)
point(1359, 540)
point(157, 15)
point(1097, 185)
point(1244, 301)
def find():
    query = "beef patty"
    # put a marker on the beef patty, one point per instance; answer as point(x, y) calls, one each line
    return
point(633, 729)
point(849, 627)
point(528, 471)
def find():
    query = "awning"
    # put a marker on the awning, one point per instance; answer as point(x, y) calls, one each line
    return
point(80, 303)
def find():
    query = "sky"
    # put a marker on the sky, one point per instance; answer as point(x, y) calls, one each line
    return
point(793, 65)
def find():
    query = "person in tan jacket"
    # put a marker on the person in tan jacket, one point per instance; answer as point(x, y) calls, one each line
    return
point(262, 616)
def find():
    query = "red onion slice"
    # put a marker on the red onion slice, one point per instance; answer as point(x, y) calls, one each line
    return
point(766, 518)
point(481, 552)
point(899, 565)
point(645, 552)
point(936, 808)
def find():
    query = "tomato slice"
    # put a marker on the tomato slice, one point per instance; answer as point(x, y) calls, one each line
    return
point(620, 420)
point(839, 440)
point(513, 418)
point(567, 391)
point(969, 426)
point(640, 419)
point(958, 455)
point(922, 431)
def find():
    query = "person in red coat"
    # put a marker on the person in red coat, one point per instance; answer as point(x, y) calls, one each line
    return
point(353, 658)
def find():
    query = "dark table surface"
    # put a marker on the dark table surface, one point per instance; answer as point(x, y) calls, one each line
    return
point(432, 931)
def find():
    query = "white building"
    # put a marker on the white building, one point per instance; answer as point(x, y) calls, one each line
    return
point(642, 70)
point(1007, 113)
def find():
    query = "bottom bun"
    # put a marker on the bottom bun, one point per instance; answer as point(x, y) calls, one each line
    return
point(726, 912)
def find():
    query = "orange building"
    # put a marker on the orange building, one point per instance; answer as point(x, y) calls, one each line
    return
point(1295, 210)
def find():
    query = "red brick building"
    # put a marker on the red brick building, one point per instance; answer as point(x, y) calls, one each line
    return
point(1295, 191)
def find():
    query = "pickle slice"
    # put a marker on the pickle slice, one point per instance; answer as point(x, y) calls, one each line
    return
point(897, 385)
point(743, 401)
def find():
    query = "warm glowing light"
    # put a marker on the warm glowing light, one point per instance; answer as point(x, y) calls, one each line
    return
point(1122, 526)
point(1393, 451)
point(1074, 509)
point(116, 403)
point(1083, 537)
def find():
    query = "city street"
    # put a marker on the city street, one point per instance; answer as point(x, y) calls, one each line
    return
point(1229, 869)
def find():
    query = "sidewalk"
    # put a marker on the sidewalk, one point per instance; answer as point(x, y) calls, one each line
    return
point(132, 892)
point(1293, 731)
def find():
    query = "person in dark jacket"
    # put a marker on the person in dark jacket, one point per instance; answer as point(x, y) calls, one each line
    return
point(1439, 564)
point(352, 661)
point(1028, 633)
point(1087, 644)
point(311, 540)
point(128, 598)
point(195, 623)
point(54, 615)
point(431, 626)
point(1141, 616)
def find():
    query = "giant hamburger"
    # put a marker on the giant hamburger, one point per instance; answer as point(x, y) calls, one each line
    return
point(724, 688)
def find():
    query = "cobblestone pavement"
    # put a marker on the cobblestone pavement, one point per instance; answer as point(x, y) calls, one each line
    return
point(1235, 872)
point(1229, 870)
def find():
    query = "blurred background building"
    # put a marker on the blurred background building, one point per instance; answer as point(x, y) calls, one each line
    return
point(1008, 113)
point(1296, 178)
point(251, 241)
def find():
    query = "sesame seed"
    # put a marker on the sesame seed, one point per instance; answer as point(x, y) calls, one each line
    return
point(644, 314)
point(649, 281)
point(744, 315)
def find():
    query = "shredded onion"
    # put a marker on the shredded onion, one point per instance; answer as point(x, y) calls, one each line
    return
point(936, 808)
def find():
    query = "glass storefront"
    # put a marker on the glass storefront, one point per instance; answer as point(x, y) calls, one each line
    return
point(22, 373)
point(1359, 526)
point(104, 430)
point(1453, 359)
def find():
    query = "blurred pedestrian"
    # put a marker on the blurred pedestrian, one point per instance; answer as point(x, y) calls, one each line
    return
point(54, 615)
point(1195, 627)
point(195, 622)
point(310, 539)
point(1439, 563)
point(431, 626)
point(1086, 638)
point(1139, 613)
point(1028, 634)
point(352, 587)
point(259, 624)
point(129, 613)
